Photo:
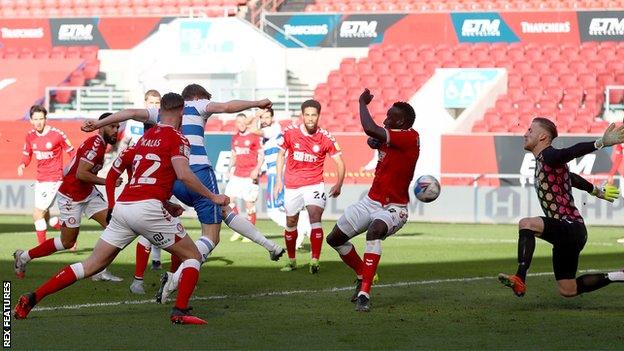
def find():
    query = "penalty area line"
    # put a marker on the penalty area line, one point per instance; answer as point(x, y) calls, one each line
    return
point(289, 292)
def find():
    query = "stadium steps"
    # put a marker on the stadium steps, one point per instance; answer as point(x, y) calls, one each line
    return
point(298, 93)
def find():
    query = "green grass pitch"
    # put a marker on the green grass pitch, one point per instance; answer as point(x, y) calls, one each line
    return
point(437, 291)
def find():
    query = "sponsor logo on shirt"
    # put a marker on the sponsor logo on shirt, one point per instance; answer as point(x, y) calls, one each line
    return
point(304, 156)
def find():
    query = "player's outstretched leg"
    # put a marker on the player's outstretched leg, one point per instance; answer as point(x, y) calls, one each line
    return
point(590, 282)
point(372, 256)
point(340, 242)
point(241, 225)
point(526, 247)
point(47, 248)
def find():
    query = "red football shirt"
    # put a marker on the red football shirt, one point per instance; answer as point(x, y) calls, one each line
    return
point(48, 148)
point(152, 171)
point(395, 168)
point(91, 151)
point(306, 155)
point(246, 147)
point(122, 163)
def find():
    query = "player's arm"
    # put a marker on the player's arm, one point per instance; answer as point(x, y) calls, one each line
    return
point(137, 114)
point(234, 106)
point(370, 127)
point(84, 173)
point(26, 158)
point(185, 175)
point(606, 192)
point(557, 157)
point(341, 169)
point(111, 184)
point(279, 184)
point(255, 173)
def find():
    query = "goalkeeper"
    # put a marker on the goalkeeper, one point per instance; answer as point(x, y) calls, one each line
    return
point(562, 226)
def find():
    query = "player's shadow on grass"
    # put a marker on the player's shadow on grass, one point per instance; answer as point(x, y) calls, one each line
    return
point(227, 262)
point(30, 229)
point(77, 252)
point(411, 234)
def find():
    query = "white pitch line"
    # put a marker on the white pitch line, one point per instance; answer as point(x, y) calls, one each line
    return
point(485, 240)
point(291, 292)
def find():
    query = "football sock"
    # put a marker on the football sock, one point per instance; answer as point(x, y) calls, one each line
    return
point(526, 247)
point(205, 247)
point(591, 282)
point(371, 260)
point(155, 253)
point(142, 256)
point(66, 277)
point(316, 240)
point(41, 228)
point(188, 280)
point(242, 226)
point(290, 236)
point(350, 257)
point(55, 223)
point(46, 248)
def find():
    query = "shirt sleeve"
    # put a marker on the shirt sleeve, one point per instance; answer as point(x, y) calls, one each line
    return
point(26, 152)
point(333, 149)
point(284, 142)
point(180, 147)
point(558, 157)
point(581, 183)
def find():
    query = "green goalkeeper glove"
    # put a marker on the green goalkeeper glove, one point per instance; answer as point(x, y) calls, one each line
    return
point(607, 192)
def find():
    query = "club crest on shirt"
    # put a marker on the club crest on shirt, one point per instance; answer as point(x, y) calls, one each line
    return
point(48, 145)
point(316, 148)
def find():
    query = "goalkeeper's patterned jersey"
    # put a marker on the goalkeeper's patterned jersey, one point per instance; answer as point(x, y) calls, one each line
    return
point(554, 190)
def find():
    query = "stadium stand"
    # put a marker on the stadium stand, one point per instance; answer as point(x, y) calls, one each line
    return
point(85, 8)
point(65, 66)
point(563, 82)
point(457, 5)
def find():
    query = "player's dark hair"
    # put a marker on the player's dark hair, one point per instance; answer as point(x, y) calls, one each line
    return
point(311, 103)
point(38, 108)
point(195, 91)
point(171, 101)
point(152, 92)
point(270, 110)
point(548, 125)
point(147, 126)
point(409, 116)
point(104, 115)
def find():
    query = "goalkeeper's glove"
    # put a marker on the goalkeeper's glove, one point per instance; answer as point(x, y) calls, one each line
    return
point(611, 136)
point(607, 192)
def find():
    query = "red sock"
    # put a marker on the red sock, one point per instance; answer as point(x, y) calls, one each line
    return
point(175, 263)
point(61, 280)
point(251, 217)
point(353, 260)
point(371, 261)
point(188, 280)
point(44, 249)
point(142, 256)
point(291, 243)
point(316, 242)
point(235, 209)
point(41, 236)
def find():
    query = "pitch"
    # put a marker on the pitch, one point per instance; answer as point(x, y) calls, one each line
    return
point(438, 290)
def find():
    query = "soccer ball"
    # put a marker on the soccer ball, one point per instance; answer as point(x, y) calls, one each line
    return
point(427, 188)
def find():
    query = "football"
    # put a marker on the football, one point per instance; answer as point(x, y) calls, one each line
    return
point(427, 188)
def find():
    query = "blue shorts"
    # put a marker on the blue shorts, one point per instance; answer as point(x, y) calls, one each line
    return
point(207, 211)
point(270, 200)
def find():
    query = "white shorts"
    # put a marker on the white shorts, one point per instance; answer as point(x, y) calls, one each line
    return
point(242, 188)
point(295, 200)
point(45, 192)
point(71, 211)
point(357, 217)
point(147, 218)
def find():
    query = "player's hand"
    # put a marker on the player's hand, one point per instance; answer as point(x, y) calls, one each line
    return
point(20, 170)
point(606, 192)
point(221, 199)
point(173, 209)
point(89, 126)
point(118, 182)
point(335, 190)
point(254, 174)
point(612, 135)
point(264, 103)
point(277, 188)
point(109, 215)
point(373, 143)
point(366, 97)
